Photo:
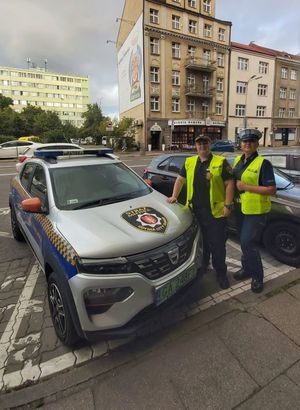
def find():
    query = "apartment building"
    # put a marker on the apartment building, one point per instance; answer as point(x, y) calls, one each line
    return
point(66, 94)
point(173, 64)
point(264, 94)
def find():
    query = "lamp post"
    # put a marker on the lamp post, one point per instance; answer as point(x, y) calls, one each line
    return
point(252, 78)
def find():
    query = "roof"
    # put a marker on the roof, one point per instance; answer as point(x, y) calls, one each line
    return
point(253, 47)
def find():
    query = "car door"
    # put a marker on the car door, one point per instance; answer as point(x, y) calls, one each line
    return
point(168, 171)
point(9, 149)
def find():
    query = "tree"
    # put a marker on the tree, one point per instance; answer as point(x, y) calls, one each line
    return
point(5, 102)
point(46, 121)
point(92, 119)
point(29, 115)
point(124, 130)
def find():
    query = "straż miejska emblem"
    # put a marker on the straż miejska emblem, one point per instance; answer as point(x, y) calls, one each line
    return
point(146, 219)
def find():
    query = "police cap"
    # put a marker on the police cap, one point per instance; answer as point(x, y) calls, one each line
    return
point(203, 138)
point(250, 134)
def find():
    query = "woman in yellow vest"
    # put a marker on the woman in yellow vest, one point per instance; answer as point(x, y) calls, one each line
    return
point(210, 189)
point(255, 183)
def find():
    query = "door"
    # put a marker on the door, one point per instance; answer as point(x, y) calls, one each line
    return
point(285, 136)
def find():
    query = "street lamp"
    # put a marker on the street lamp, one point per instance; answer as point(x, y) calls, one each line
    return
point(252, 78)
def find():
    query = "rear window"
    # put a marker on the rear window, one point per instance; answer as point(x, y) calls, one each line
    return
point(75, 187)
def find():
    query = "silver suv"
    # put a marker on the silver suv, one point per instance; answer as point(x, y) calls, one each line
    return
point(109, 244)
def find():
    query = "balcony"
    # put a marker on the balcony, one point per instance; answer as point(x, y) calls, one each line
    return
point(198, 91)
point(200, 64)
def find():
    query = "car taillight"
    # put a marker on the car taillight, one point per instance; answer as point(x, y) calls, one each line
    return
point(22, 158)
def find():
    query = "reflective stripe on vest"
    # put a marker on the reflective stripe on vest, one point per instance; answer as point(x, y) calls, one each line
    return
point(253, 204)
point(217, 186)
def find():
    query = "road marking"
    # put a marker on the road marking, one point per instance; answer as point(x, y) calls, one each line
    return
point(4, 211)
point(137, 166)
point(7, 175)
point(9, 335)
point(5, 235)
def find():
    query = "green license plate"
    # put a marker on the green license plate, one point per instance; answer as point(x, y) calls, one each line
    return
point(170, 288)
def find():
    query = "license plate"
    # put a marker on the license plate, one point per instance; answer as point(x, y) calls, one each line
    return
point(170, 288)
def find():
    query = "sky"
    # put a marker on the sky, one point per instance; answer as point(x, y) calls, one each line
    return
point(73, 35)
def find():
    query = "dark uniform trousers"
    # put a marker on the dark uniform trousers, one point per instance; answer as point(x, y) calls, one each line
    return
point(214, 239)
point(251, 227)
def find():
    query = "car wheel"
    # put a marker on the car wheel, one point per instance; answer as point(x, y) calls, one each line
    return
point(282, 240)
point(16, 231)
point(59, 310)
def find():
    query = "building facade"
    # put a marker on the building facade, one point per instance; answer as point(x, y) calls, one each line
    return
point(264, 93)
point(183, 70)
point(67, 95)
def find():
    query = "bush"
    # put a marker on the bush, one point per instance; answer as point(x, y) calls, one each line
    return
point(5, 138)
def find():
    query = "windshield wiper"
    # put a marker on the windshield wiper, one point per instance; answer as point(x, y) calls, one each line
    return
point(105, 201)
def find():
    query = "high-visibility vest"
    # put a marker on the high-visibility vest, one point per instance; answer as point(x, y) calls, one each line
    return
point(252, 203)
point(217, 186)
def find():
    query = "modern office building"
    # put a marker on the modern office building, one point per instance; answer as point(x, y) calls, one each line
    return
point(264, 93)
point(173, 65)
point(66, 94)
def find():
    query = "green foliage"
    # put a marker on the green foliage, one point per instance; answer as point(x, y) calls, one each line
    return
point(5, 102)
point(92, 120)
point(5, 138)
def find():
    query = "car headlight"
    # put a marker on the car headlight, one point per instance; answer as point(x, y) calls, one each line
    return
point(103, 266)
point(99, 300)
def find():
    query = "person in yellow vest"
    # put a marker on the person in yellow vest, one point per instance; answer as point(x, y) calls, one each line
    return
point(255, 183)
point(210, 190)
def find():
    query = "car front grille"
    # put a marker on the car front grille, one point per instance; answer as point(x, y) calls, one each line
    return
point(157, 263)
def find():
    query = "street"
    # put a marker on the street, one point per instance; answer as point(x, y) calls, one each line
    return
point(30, 349)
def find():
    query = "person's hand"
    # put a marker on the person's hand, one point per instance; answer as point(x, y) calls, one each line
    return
point(172, 200)
point(226, 212)
point(241, 186)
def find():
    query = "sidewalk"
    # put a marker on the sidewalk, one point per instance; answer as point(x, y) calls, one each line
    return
point(242, 353)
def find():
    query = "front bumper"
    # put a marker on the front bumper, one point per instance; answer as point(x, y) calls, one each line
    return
point(143, 295)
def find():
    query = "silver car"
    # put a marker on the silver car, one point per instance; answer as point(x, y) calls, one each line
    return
point(110, 245)
point(12, 149)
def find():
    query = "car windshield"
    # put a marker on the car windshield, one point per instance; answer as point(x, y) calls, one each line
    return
point(85, 186)
point(282, 180)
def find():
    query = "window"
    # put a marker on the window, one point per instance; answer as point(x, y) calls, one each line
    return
point(219, 108)
point(221, 34)
point(38, 187)
point(262, 90)
point(154, 45)
point(206, 56)
point(220, 59)
point(292, 94)
point(191, 105)
point(175, 105)
point(293, 75)
point(205, 82)
point(282, 92)
point(191, 79)
point(192, 26)
point(154, 74)
point(175, 77)
point(260, 111)
point(243, 63)
point(175, 22)
point(240, 110)
point(281, 112)
point(263, 67)
point(191, 51)
point(220, 84)
point(175, 50)
point(207, 6)
point(154, 103)
point(176, 164)
point(205, 109)
point(154, 16)
point(284, 72)
point(207, 30)
point(192, 3)
point(241, 87)
point(26, 175)
point(291, 112)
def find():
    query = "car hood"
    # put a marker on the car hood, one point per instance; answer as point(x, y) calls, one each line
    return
point(291, 194)
point(124, 228)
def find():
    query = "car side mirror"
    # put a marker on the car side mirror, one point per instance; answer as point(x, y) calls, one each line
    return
point(33, 205)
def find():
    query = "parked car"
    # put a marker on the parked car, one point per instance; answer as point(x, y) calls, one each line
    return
point(29, 153)
point(281, 236)
point(286, 162)
point(12, 149)
point(109, 245)
point(222, 146)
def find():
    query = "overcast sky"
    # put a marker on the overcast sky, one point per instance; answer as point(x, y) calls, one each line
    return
point(73, 34)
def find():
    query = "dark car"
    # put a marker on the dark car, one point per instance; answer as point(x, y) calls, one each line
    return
point(222, 146)
point(281, 236)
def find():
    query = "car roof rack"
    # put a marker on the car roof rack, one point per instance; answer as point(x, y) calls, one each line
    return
point(52, 155)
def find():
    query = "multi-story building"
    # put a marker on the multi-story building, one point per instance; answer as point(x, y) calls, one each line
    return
point(173, 63)
point(264, 93)
point(67, 95)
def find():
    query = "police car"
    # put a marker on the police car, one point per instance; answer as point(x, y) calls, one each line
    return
point(109, 245)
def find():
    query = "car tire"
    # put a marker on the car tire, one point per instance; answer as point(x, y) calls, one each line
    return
point(16, 231)
point(58, 295)
point(282, 240)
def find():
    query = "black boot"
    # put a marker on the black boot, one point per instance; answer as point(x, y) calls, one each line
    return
point(223, 281)
point(241, 275)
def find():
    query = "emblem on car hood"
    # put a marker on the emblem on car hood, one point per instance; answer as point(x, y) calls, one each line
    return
point(146, 219)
